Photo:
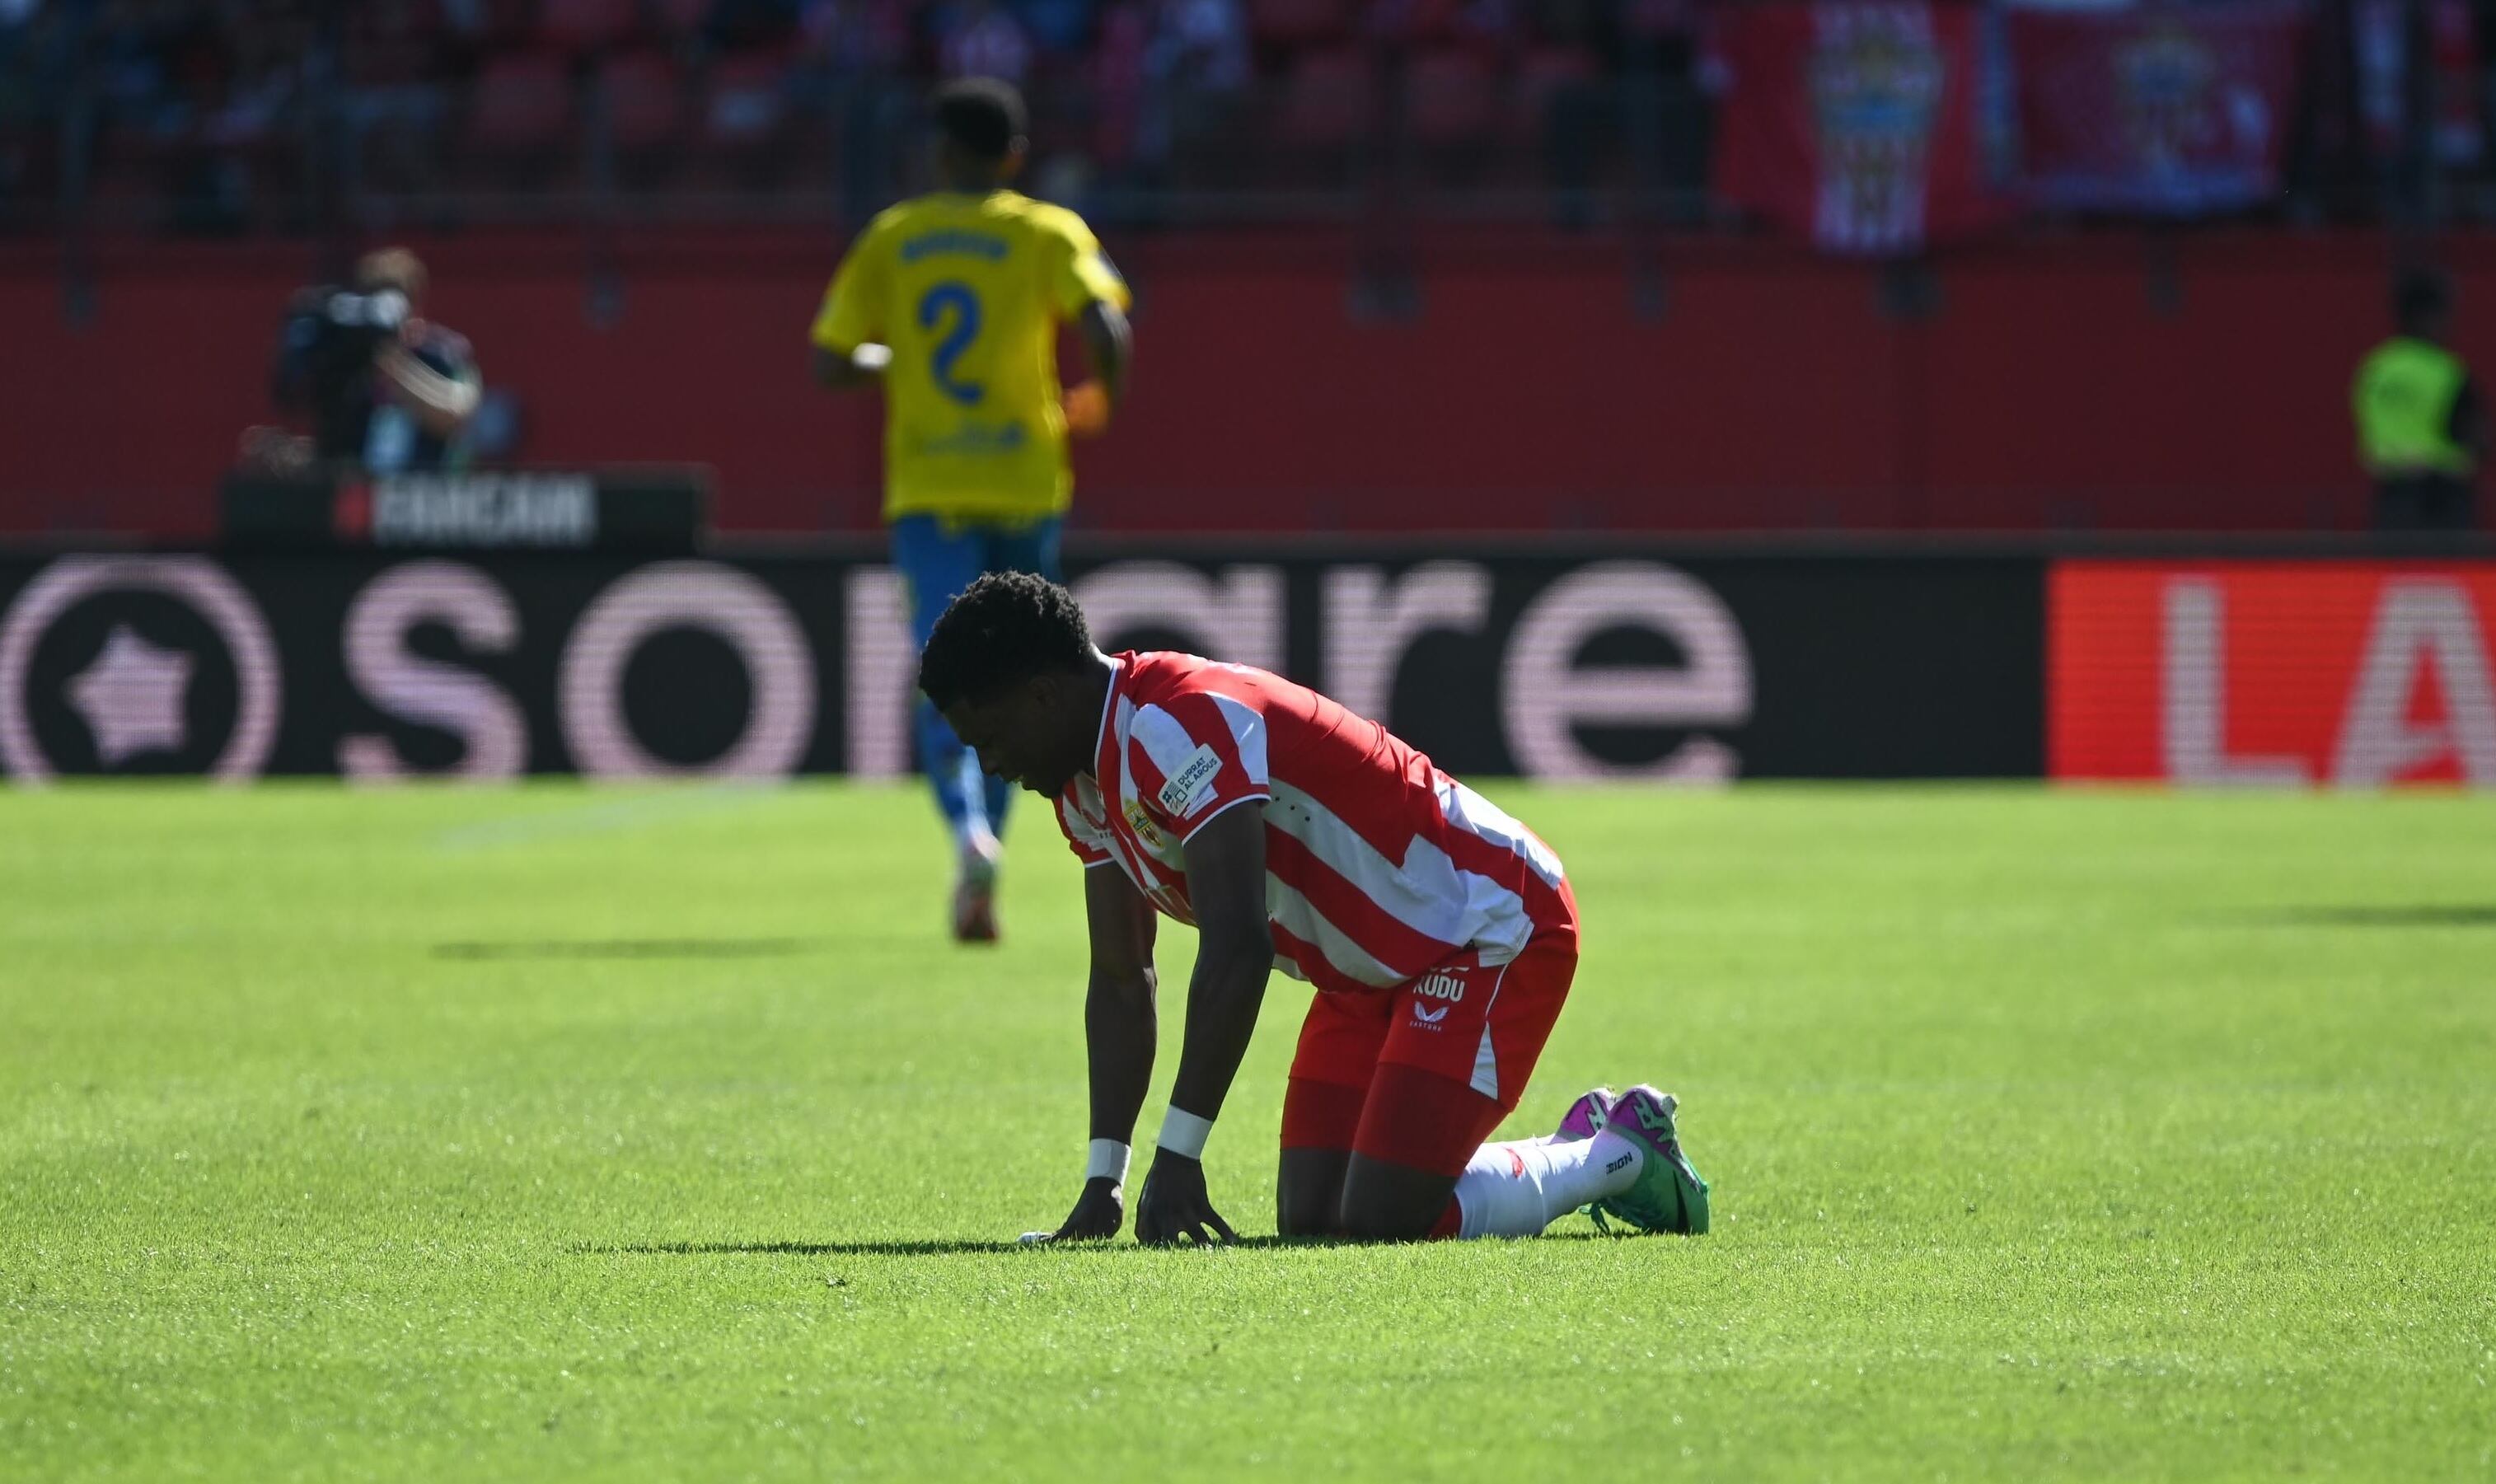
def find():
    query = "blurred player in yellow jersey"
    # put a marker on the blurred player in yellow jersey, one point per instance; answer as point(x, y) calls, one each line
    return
point(951, 302)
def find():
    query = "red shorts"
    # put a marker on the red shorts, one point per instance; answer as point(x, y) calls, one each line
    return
point(1472, 1032)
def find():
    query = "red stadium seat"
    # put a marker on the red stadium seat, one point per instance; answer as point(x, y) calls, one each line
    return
point(394, 19)
point(1549, 67)
point(394, 43)
point(391, 62)
point(1297, 22)
point(1325, 100)
point(521, 104)
point(507, 23)
point(683, 17)
point(1449, 98)
point(645, 99)
point(1423, 20)
point(1547, 71)
point(588, 25)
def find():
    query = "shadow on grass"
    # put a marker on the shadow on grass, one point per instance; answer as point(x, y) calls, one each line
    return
point(934, 1248)
point(2418, 915)
point(956, 1246)
point(635, 947)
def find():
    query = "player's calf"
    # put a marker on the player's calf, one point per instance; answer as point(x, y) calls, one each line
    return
point(1384, 1202)
point(1308, 1194)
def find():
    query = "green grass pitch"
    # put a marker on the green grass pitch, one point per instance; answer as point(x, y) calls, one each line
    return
point(560, 1134)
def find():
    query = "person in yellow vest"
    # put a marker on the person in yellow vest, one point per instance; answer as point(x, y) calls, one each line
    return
point(952, 303)
point(2421, 430)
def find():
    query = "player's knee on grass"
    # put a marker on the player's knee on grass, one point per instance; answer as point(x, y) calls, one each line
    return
point(1410, 1132)
point(1308, 1193)
point(1318, 1121)
point(1383, 1202)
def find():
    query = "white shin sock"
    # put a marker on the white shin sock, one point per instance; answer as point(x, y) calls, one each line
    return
point(1516, 1189)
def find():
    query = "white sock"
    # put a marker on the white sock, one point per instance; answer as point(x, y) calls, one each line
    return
point(1516, 1189)
point(977, 847)
point(1537, 1142)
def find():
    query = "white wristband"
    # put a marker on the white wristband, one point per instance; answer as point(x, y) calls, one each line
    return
point(1183, 1133)
point(1108, 1161)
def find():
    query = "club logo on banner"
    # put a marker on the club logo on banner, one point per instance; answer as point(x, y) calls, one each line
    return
point(1853, 123)
point(2355, 674)
point(2168, 110)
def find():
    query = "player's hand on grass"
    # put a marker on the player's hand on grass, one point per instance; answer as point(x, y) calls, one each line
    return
point(1098, 1212)
point(1175, 1206)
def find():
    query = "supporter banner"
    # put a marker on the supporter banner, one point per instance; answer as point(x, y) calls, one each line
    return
point(1559, 666)
point(2164, 110)
point(2353, 674)
point(1853, 123)
point(2378, 43)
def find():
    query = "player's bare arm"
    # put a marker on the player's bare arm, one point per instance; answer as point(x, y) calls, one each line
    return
point(1107, 351)
point(1119, 1029)
point(1226, 876)
point(1108, 346)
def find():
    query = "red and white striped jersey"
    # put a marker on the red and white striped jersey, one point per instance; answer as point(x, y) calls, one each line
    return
point(1377, 866)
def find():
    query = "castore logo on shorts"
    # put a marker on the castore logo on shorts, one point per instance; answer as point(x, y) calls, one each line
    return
point(1436, 986)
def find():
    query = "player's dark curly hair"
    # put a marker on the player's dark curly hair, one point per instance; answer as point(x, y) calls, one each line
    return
point(982, 116)
point(1006, 627)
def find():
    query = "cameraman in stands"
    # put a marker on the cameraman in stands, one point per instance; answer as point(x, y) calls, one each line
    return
point(383, 388)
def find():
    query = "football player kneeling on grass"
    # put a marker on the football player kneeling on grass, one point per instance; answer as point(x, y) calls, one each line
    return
point(1439, 933)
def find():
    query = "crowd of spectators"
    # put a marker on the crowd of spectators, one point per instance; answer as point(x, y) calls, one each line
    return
point(224, 105)
point(226, 115)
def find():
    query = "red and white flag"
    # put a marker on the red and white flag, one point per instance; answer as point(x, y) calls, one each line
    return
point(1852, 122)
point(2177, 111)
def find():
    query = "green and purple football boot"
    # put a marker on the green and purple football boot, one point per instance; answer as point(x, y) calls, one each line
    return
point(1668, 1195)
point(1586, 1117)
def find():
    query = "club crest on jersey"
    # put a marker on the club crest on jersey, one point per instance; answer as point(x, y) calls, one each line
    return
point(1191, 785)
point(1143, 824)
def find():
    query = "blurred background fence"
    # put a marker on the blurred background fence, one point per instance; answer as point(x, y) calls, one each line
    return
point(1464, 265)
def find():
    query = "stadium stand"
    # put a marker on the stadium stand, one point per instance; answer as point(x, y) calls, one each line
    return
point(212, 116)
point(1462, 171)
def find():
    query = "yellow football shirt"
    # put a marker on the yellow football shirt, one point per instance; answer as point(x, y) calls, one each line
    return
point(969, 292)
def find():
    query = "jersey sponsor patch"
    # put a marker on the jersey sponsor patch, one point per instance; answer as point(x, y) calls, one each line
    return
point(1189, 789)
